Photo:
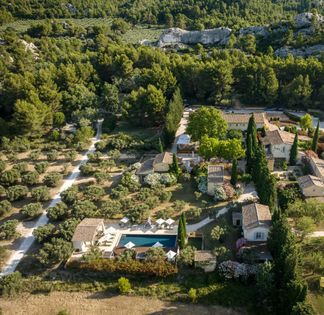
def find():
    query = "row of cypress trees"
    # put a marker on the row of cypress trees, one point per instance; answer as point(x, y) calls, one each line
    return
point(182, 231)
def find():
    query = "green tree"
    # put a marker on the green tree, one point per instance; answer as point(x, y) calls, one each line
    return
point(298, 91)
point(306, 122)
point(182, 231)
point(31, 210)
point(11, 284)
point(234, 172)
point(192, 294)
point(8, 230)
point(44, 233)
point(315, 138)
point(206, 121)
point(294, 151)
point(41, 193)
point(124, 285)
point(17, 192)
point(174, 167)
point(109, 100)
point(305, 225)
point(5, 207)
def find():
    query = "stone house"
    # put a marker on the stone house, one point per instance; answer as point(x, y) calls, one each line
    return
point(241, 121)
point(317, 166)
point(311, 186)
point(256, 222)
point(205, 259)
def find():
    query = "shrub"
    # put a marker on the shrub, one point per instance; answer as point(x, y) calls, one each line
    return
point(130, 181)
point(34, 155)
point(11, 284)
point(32, 209)
point(92, 255)
point(30, 178)
point(110, 208)
point(58, 212)
point(20, 144)
point(41, 167)
point(5, 207)
point(94, 192)
point(21, 167)
point(70, 195)
point(2, 166)
point(58, 119)
point(10, 177)
point(101, 146)
point(71, 155)
point(217, 232)
point(55, 251)
point(55, 135)
point(41, 193)
point(3, 256)
point(124, 285)
point(194, 212)
point(95, 157)
point(52, 155)
point(84, 209)
point(17, 192)
point(192, 294)
point(8, 230)
point(101, 177)
point(3, 190)
point(52, 179)
point(119, 192)
point(220, 193)
point(87, 169)
point(187, 256)
point(44, 233)
point(66, 229)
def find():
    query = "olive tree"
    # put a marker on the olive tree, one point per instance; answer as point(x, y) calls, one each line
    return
point(41, 167)
point(8, 230)
point(44, 233)
point(59, 212)
point(30, 178)
point(17, 192)
point(10, 177)
point(5, 207)
point(52, 179)
point(32, 210)
point(41, 193)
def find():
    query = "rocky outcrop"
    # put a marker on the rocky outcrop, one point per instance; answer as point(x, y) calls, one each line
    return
point(303, 20)
point(254, 30)
point(176, 36)
point(31, 48)
point(315, 50)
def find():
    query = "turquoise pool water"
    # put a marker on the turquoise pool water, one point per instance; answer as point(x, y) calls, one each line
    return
point(148, 240)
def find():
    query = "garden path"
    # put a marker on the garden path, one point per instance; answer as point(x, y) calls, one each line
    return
point(26, 230)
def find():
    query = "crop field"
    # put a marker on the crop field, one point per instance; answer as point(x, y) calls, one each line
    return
point(138, 33)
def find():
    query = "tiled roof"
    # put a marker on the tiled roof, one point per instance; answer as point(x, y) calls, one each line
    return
point(164, 157)
point(319, 164)
point(254, 215)
point(87, 230)
point(278, 137)
point(309, 180)
point(244, 118)
point(215, 174)
point(204, 255)
point(146, 167)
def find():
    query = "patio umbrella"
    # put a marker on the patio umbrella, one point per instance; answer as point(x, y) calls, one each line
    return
point(171, 254)
point(157, 244)
point(111, 230)
point(124, 220)
point(160, 221)
point(129, 245)
point(169, 221)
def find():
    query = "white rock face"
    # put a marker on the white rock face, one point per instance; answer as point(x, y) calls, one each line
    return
point(215, 36)
point(30, 47)
point(315, 50)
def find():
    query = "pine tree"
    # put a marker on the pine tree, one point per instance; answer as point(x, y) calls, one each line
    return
point(294, 151)
point(234, 173)
point(315, 138)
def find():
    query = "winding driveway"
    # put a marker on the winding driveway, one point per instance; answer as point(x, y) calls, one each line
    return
point(248, 194)
point(27, 232)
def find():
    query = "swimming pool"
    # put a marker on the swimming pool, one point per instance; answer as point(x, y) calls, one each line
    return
point(148, 240)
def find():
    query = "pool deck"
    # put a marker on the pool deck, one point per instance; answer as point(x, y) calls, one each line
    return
point(135, 229)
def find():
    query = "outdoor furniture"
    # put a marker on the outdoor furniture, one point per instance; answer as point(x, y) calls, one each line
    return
point(124, 221)
point(171, 255)
point(111, 230)
point(170, 222)
point(129, 245)
point(160, 222)
point(157, 244)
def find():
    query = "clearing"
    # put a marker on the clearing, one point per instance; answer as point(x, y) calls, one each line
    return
point(101, 303)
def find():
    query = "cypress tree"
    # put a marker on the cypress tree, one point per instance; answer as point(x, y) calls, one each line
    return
point(174, 167)
point(251, 144)
point(249, 155)
point(161, 149)
point(294, 151)
point(234, 173)
point(182, 234)
point(315, 138)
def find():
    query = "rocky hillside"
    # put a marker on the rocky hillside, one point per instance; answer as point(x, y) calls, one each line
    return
point(304, 25)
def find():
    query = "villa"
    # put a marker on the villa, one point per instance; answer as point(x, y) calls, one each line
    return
point(256, 222)
point(113, 239)
point(86, 233)
point(317, 166)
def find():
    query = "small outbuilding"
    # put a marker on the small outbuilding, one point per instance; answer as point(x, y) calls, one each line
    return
point(215, 178)
point(205, 259)
point(162, 162)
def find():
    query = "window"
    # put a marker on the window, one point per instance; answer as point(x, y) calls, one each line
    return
point(259, 236)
